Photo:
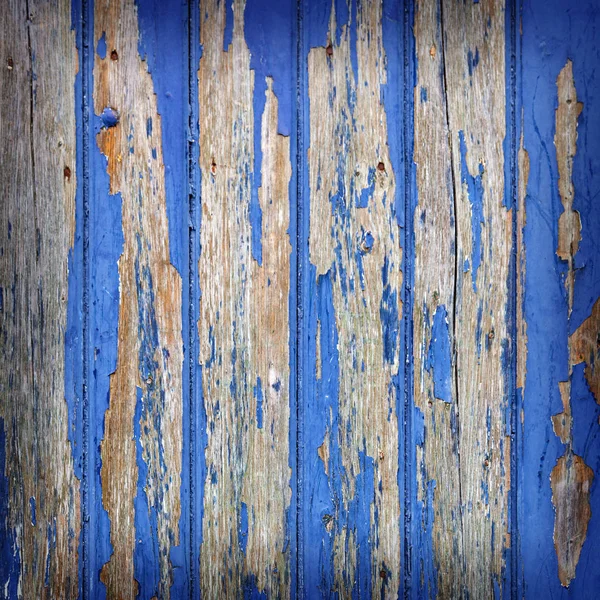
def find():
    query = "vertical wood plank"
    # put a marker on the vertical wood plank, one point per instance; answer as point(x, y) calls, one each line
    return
point(142, 446)
point(440, 543)
point(40, 496)
point(559, 529)
point(474, 55)
point(462, 270)
point(244, 275)
point(354, 284)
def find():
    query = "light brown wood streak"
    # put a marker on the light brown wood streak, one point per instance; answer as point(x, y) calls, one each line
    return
point(476, 107)
point(243, 325)
point(523, 165)
point(37, 216)
point(571, 478)
point(266, 490)
point(367, 400)
point(150, 346)
point(434, 227)
point(565, 141)
point(585, 348)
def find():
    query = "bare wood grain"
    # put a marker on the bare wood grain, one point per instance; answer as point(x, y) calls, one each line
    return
point(359, 244)
point(37, 218)
point(150, 347)
point(474, 67)
point(243, 325)
point(438, 462)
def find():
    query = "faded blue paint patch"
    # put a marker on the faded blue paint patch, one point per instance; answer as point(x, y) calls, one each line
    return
point(228, 31)
point(388, 313)
point(362, 200)
point(145, 555)
point(10, 561)
point(439, 359)
point(32, 511)
point(472, 60)
point(475, 191)
point(258, 394)
point(101, 46)
point(423, 94)
point(243, 527)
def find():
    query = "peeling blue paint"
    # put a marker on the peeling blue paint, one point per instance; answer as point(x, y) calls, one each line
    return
point(258, 394)
point(554, 31)
point(10, 562)
point(101, 46)
point(145, 556)
point(475, 191)
point(439, 359)
point(243, 527)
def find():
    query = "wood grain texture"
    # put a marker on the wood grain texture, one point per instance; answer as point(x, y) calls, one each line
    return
point(571, 478)
point(244, 323)
point(434, 321)
point(355, 241)
point(473, 49)
point(143, 425)
point(37, 221)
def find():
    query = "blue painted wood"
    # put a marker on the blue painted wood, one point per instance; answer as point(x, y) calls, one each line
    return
point(334, 536)
point(554, 32)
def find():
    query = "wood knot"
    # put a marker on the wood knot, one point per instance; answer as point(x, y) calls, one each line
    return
point(367, 242)
point(114, 55)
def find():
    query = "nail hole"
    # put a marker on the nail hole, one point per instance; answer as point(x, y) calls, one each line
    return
point(381, 167)
point(10, 63)
point(67, 173)
point(382, 574)
point(491, 334)
point(114, 55)
point(329, 50)
point(213, 166)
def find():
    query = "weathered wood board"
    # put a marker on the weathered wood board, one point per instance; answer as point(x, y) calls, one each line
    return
point(299, 299)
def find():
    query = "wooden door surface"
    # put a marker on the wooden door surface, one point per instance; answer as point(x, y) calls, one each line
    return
point(299, 299)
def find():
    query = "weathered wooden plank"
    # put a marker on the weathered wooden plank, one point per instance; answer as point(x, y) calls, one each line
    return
point(440, 544)
point(141, 450)
point(354, 283)
point(559, 532)
point(463, 237)
point(40, 497)
point(244, 278)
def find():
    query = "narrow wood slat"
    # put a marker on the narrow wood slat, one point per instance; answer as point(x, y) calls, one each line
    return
point(40, 501)
point(143, 424)
point(243, 325)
